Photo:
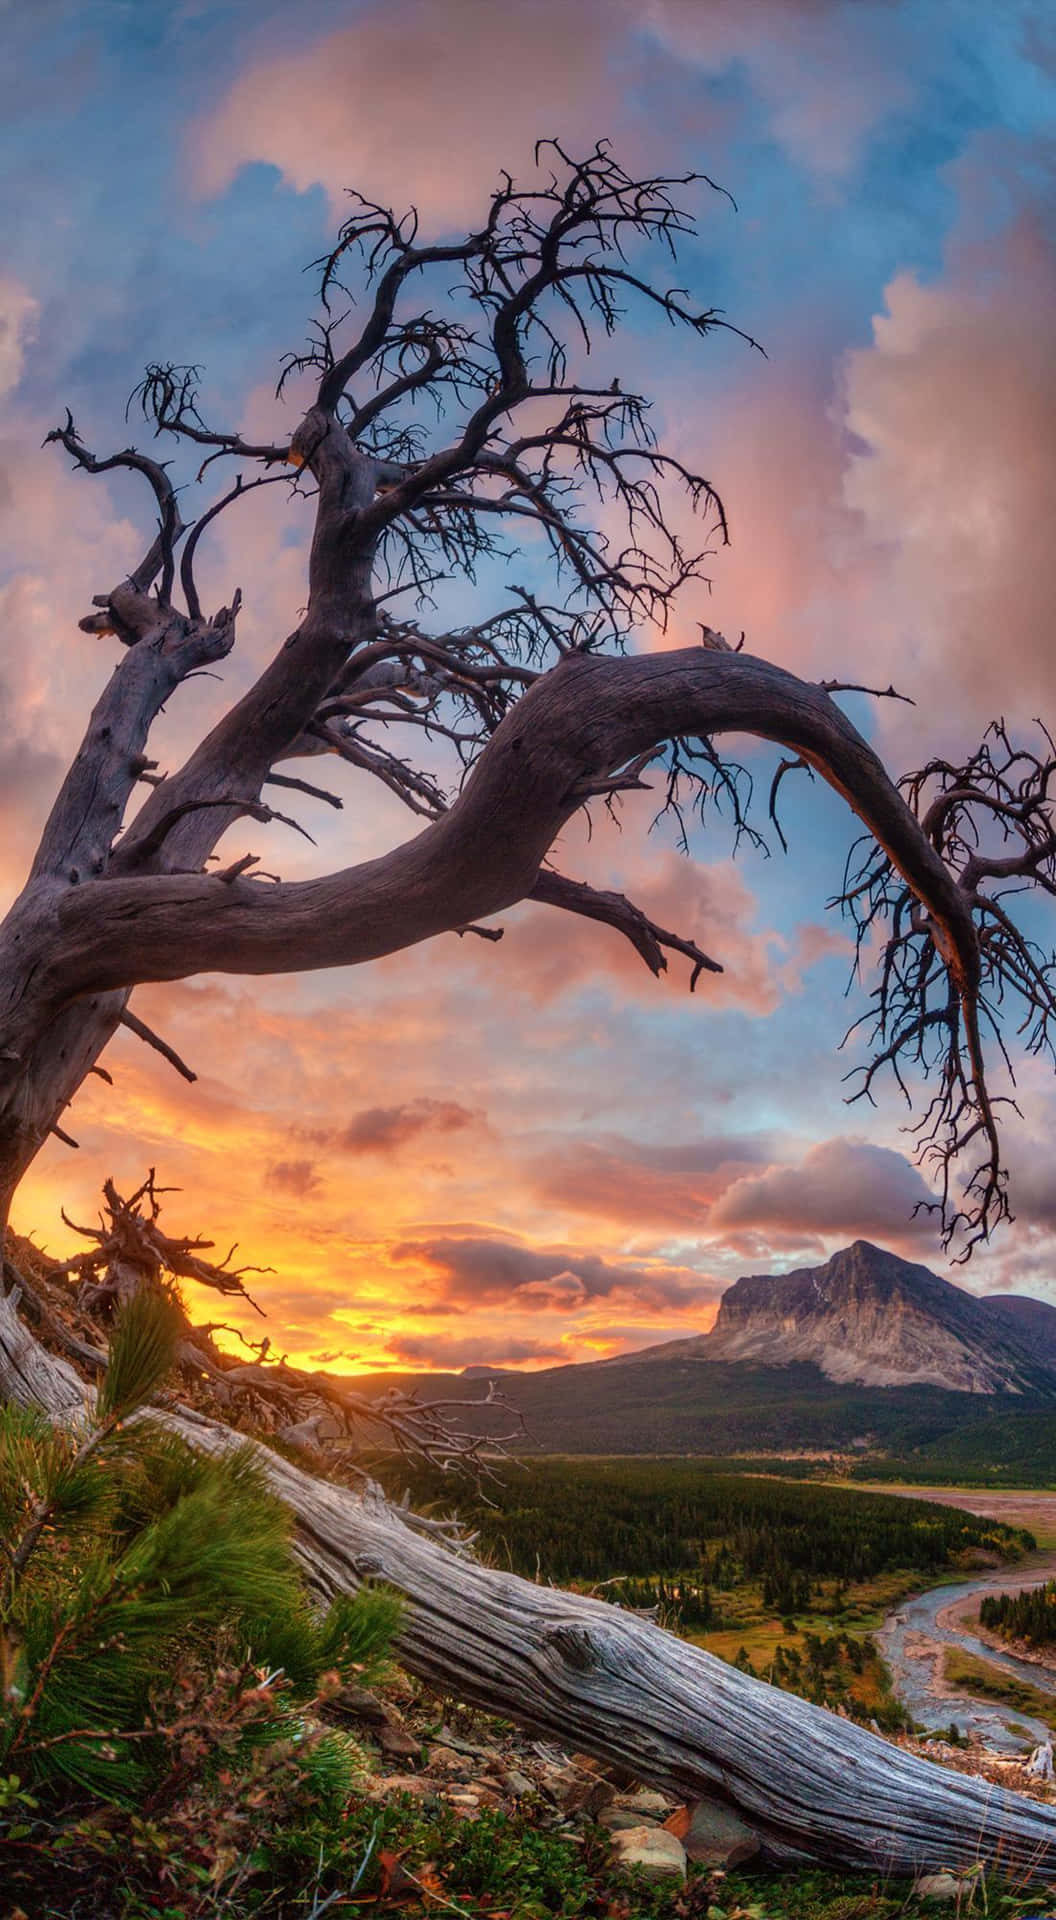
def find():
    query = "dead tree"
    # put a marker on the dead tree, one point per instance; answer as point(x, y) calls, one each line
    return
point(131, 1251)
point(460, 412)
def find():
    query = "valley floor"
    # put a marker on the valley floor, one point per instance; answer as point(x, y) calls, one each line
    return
point(1016, 1507)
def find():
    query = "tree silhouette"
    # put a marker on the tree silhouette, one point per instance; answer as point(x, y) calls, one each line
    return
point(454, 423)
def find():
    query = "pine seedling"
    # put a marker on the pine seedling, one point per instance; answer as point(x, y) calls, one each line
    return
point(143, 1348)
point(152, 1604)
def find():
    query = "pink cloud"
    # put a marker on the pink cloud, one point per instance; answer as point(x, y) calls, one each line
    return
point(841, 1187)
point(952, 408)
point(18, 324)
point(546, 953)
point(418, 104)
point(827, 73)
point(672, 1187)
point(412, 103)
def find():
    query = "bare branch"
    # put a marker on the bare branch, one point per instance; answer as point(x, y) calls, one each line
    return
point(160, 557)
point(304, 786)
point(143, 1032)
point(614, 910)
point(877, 693)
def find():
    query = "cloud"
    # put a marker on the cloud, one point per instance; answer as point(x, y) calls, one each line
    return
point(412, 103)
point(1032, 1189)
point(547, 953)
point(487, 1269)
point(423, 104)
point(953, 462)
point(453, 1353)
point(840, 1187)
point(65, 542)
point(387, 1129)
point(18, 324)
point(828, 73)
point(669, 1186)
point(294, 1176)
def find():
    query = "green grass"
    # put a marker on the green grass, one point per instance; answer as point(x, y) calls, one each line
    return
point(416, 1859)
point(818, 1895)
point(971, 1674)
point(1039, 1515)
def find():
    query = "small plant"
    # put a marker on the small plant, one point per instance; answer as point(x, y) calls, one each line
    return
point(159, 1651)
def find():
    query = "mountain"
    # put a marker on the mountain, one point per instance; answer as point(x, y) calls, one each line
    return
point(869, 1317)
point(1033, 1320)
point(866, 1352)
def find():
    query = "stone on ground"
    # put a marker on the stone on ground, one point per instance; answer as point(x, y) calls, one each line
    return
point(713, 1834)
point(653, 1850)
point(942, 1886)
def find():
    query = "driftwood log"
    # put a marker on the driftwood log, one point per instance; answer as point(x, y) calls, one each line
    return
point(604, 1681)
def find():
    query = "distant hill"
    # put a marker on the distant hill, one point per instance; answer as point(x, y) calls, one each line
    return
point(1033, 1320)
point(867, 1352)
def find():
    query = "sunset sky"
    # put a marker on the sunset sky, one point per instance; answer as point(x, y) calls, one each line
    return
point(533, 1152)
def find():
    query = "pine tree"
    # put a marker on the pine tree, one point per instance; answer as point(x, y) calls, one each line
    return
point(150, 1593)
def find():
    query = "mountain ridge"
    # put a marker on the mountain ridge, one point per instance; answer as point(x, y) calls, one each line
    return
point(734, 1392)
point(867, 1317)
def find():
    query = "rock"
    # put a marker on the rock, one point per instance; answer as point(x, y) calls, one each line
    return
point(360, 1704)
point(585, 1793)
point(619, 1776)
point(397, 1743)
point(940, 1886)
point(557, 1781)
point(516, 1782)
point(416, 1784)
point(624, 1820)
point(647, 1802)
point(713, 1834)
point(446, 1760)
point(486, 1795)
point(653, 1850)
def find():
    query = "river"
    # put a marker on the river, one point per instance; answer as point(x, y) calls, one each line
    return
point(913, 1638)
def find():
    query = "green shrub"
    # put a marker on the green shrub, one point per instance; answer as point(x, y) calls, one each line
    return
point(156, 1632)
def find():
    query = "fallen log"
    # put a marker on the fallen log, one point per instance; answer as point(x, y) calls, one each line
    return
point(603, 1681)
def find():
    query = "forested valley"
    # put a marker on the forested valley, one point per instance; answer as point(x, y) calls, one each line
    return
point(633, 1520)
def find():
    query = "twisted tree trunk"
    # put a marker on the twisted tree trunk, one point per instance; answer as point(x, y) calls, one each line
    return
point(78, 939)
point(606, 1682)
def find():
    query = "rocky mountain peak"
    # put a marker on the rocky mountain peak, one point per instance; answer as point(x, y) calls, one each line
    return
point(869, 1317)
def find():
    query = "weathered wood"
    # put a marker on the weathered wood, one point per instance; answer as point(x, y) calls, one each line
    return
point(604, 1681)
point(29, 1374)
point(580, 721)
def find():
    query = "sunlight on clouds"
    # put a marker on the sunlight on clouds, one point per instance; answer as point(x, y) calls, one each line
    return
point(535, 1152)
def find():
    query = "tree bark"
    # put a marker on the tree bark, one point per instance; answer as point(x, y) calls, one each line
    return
point(581, 722)
point(603, 1681)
